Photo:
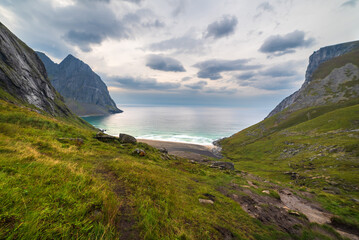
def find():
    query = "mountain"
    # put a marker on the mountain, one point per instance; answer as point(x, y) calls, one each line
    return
point(84, 91)
point(310, 141)
point(318, 88)
point(23, 76)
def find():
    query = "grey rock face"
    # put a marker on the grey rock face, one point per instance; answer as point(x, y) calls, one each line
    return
point(23, 75)
point(223, 165)
point(315, 60)
point(125, 138)
point(84, 91)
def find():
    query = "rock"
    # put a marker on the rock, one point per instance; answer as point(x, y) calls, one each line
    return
point(266, 191)
point(23, 75)
point(125, 138)
point(105, 138)
point(210, 196)
point(223, 165)
point(84, 91)
point(163, 150)
point(205, 201)
point(139, 152)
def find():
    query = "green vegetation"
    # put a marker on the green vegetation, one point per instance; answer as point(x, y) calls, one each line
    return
point(327, 67)
point(50, 188)
point(314, 150)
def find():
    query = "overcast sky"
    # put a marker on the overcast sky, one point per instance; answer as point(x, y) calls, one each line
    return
point(243, 53)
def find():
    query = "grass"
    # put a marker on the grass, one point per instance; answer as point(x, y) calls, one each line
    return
point(51, 188)
point(322, 150)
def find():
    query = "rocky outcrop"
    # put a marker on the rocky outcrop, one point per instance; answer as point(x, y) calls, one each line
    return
point(319, 90)
point(23, 75)
point(84, 91)
point(125, 138)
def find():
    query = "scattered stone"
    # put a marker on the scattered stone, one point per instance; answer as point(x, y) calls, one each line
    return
point(139, 152)
point(266, 191)
point(163, 150)
point(223, 165)
point(125, 138)
point(192, 161)
point(105, 138)
point(295, 213)
point(205, 201)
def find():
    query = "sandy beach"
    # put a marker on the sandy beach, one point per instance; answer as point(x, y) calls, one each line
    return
point(185, 150)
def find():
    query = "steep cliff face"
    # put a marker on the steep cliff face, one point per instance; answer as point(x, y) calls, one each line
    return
point(84, 91)
point(23, 76)
point(331, 77)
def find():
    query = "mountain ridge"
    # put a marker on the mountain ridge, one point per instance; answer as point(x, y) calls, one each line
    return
point(84, 91)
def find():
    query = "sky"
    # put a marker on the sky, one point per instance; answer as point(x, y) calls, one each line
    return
point(235, 53)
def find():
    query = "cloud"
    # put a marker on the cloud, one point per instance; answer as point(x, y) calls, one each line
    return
point(185, 79)
point(246, 75)
point(212, 68)
point(222, 28)
point(279, 71)
point(141, 83)
point(265, 6)
point(221, 90)
point(162, 63)
point(279, 45)
point(183, 44)
point(197, 86)
point(350, 3)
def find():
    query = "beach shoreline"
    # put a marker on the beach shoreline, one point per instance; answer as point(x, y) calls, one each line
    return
point(186, 150)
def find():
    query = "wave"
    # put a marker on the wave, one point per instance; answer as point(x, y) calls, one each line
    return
point(179, 138)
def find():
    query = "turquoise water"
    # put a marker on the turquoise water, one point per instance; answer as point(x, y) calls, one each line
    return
point(199, 125)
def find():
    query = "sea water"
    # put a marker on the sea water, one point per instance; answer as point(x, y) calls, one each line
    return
point(199, 125)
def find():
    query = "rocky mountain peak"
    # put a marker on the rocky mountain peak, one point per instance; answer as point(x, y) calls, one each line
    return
point(23, 75)
point(332, 76)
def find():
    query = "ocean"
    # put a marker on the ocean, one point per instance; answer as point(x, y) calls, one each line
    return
point(198, 125)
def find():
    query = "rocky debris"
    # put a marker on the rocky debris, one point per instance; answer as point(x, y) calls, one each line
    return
point(105, 138)
point(125, 138)
point(223, 165)
point(139, 152)
point(77, 141)
point(206, 201)
point(163, 150)
point(266, 192)
point(80, 86)
point(23, 75)
point(293, 175)
point(210, 196)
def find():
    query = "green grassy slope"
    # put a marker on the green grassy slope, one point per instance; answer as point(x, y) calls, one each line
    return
point(51, 188)
point(314, 149)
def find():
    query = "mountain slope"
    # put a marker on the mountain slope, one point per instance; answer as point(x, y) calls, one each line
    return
point(84, 91)
point(321, 64)
point(23, 76)
point(311, 140)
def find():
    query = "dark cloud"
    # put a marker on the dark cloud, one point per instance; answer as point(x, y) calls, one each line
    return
point(83, 39)
point(350, 3)
point(246, 75)
point(212, 68)
point(162, 63)
point(197, 86)
point(222, 28)
point(180, 8)
point(265, 6)
point(278, 45)
point(185, 79)
point(134, 1)
point(141, 83)
point(183, 44)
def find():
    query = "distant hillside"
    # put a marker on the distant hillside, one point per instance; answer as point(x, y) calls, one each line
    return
point(319, 88)
point(23, 77)
point(311, 139)
point(84, 91)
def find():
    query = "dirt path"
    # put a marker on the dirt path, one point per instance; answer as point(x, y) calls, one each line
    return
point(125, 222)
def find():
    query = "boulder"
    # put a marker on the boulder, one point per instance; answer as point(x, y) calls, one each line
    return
point(139, 152)
point(105, 138)
point(205, 201)
point(125, 138)
point(223, 165)
point(163, 150)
